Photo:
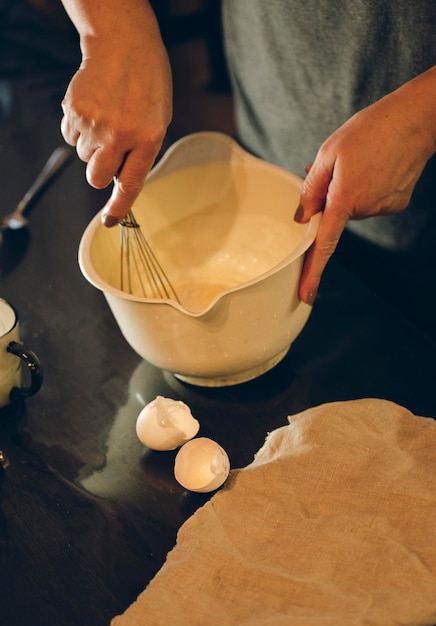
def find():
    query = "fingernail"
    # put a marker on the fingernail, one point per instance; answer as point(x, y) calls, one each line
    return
point(299, 213)
point(109, 220)
point(311, 296)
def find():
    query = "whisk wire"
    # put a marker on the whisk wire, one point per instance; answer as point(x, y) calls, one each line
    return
point(138, 257)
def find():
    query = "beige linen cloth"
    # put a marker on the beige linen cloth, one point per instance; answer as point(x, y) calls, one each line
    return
point(332, 524)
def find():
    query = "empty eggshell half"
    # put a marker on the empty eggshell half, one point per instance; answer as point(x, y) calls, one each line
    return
point(201, 465)
point(166, 424)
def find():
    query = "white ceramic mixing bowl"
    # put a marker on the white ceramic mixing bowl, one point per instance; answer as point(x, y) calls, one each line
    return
point(221, 223)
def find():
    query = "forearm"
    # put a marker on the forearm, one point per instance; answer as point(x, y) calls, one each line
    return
point(104, 22)
point(417, 106)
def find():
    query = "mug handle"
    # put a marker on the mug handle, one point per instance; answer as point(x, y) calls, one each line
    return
point(35, 368)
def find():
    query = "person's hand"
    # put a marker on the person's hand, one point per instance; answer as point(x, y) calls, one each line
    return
point(118, 105)
point(368, 167)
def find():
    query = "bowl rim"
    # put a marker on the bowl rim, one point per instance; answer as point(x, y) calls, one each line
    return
point(84, 250)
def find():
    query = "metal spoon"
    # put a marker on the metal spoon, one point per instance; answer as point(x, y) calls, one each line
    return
point(16, 219)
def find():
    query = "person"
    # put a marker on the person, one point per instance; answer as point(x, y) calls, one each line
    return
point(345, 90)
point(118, 105)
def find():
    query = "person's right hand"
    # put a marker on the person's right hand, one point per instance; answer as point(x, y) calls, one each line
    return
point(119, 103)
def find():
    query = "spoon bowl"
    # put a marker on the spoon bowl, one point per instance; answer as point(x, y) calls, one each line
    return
point(17, 218)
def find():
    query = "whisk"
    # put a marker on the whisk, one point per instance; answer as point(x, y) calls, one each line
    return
point(139, 261)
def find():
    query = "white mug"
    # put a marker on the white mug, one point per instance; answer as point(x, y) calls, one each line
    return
point(13, 354)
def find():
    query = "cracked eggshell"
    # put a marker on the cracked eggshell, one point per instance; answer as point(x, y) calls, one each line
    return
point(201, 465)
point(166, 424)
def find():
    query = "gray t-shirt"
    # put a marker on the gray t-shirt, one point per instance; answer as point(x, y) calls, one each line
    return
point(301, 69)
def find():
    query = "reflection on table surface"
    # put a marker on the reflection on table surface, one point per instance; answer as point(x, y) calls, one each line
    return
point(87, 514)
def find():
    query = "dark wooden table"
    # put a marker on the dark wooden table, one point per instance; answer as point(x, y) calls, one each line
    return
point(87, 515)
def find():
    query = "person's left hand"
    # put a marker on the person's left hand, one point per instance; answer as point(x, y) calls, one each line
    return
point(368, 167)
